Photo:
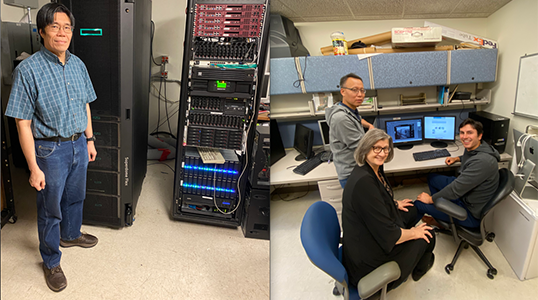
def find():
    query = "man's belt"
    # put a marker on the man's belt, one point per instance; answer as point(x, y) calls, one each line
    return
point(72, 138)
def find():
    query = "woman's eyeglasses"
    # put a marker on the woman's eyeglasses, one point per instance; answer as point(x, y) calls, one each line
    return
point(378, 149)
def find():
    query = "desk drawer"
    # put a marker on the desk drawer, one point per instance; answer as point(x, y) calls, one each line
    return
point(331, 192)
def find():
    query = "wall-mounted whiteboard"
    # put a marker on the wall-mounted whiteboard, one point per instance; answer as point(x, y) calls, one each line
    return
point(526, 103)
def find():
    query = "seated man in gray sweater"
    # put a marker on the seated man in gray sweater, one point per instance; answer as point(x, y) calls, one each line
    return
point(473, 188)
point(346, 125)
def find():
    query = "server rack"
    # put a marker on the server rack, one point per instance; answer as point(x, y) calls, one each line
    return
point(223, 63)
point(112, 38)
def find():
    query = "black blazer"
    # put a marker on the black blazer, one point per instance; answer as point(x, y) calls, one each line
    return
point(370, 220)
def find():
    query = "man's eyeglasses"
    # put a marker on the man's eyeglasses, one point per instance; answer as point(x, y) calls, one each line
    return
point(355, 90)
point(56, 28)
point(378, 149)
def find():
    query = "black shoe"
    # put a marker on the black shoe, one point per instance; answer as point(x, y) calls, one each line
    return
point(84, 240)
point(55, 278)
point(417, 274)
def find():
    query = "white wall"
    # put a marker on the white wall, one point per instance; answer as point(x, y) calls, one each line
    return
point(515, 28)
point(169, 18)
point(14, 14)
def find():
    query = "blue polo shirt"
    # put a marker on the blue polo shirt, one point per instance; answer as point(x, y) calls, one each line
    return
point(51, 94)
point(355, 112)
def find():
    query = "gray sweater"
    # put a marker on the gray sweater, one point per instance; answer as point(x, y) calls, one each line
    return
point(345, 131)
point(478, 179)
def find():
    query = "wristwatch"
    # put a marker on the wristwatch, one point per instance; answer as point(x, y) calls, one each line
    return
point(91, 139)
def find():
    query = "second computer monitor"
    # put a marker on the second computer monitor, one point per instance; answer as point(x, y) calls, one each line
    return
point(302, 142)
point(439, 130)
point(324, 130)
point(405, 132)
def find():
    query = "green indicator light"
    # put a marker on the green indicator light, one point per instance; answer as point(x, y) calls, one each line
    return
point(91, 31)
point(221, 84)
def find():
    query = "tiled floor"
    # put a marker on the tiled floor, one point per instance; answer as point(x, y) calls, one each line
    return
point(156, 258)
point(293, 276)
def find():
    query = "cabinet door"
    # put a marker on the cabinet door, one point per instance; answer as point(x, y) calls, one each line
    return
point(400, 70)
point(470, 66)
point(283, 76)
point(323, 73)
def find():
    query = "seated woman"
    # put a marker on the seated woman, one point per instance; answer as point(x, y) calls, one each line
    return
point(377, 229)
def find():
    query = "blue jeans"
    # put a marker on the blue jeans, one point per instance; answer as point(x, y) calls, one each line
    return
point(436, 183)
point(59, 204)
point(343, 182)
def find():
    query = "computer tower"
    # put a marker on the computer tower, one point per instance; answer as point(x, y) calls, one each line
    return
point(256, 221)
point(495, 128)
point(112, 38)
point(259, 172)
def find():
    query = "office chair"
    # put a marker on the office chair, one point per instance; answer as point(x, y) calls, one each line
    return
point(320, 236)
point(474, 237)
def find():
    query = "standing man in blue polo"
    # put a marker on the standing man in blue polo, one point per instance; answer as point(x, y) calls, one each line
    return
point(346, 127)
point(50, 101)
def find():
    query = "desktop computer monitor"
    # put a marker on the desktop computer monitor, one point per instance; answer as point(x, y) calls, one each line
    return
point(277, 146)
point(405, 132)
point(439, 130)
point(302, 142)
point(324, 130)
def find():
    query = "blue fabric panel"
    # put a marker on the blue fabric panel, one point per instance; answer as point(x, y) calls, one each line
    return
point(323, 73)
point(283, 75)
point(469, 66)
point(398, 70)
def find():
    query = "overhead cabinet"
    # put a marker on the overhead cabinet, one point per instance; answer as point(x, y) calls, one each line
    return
point(400, 70)
point(388, 70)
point(471, 66)
point(323, 73)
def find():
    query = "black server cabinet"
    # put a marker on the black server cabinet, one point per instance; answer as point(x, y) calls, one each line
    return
point(16, 39)
point(255, 220)
point(112, 37)
point(224, 59)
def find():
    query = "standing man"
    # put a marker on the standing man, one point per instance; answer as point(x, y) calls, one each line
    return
point(346, 125)
point(50, 102)
point(473, 188)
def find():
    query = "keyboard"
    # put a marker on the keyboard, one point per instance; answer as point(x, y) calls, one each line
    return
point(211, 155)
point(433, 154)
point(309, 165)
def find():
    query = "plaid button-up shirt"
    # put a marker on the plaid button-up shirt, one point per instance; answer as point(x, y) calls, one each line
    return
point(51, 94)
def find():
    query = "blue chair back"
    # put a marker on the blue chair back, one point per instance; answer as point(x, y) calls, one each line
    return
point(320, 236)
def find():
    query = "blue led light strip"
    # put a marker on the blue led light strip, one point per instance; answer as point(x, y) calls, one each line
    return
point(202, 187)
point(209, 169)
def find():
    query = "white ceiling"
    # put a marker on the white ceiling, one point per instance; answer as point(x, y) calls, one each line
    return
point(357, 10)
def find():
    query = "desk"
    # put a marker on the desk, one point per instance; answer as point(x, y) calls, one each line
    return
point(403, 161)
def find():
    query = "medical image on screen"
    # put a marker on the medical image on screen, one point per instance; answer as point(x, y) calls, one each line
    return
point(404, 132)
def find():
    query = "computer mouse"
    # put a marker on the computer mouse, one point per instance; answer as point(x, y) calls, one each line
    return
point(326, 156)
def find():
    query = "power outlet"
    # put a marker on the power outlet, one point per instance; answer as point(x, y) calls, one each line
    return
point(163, 59)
